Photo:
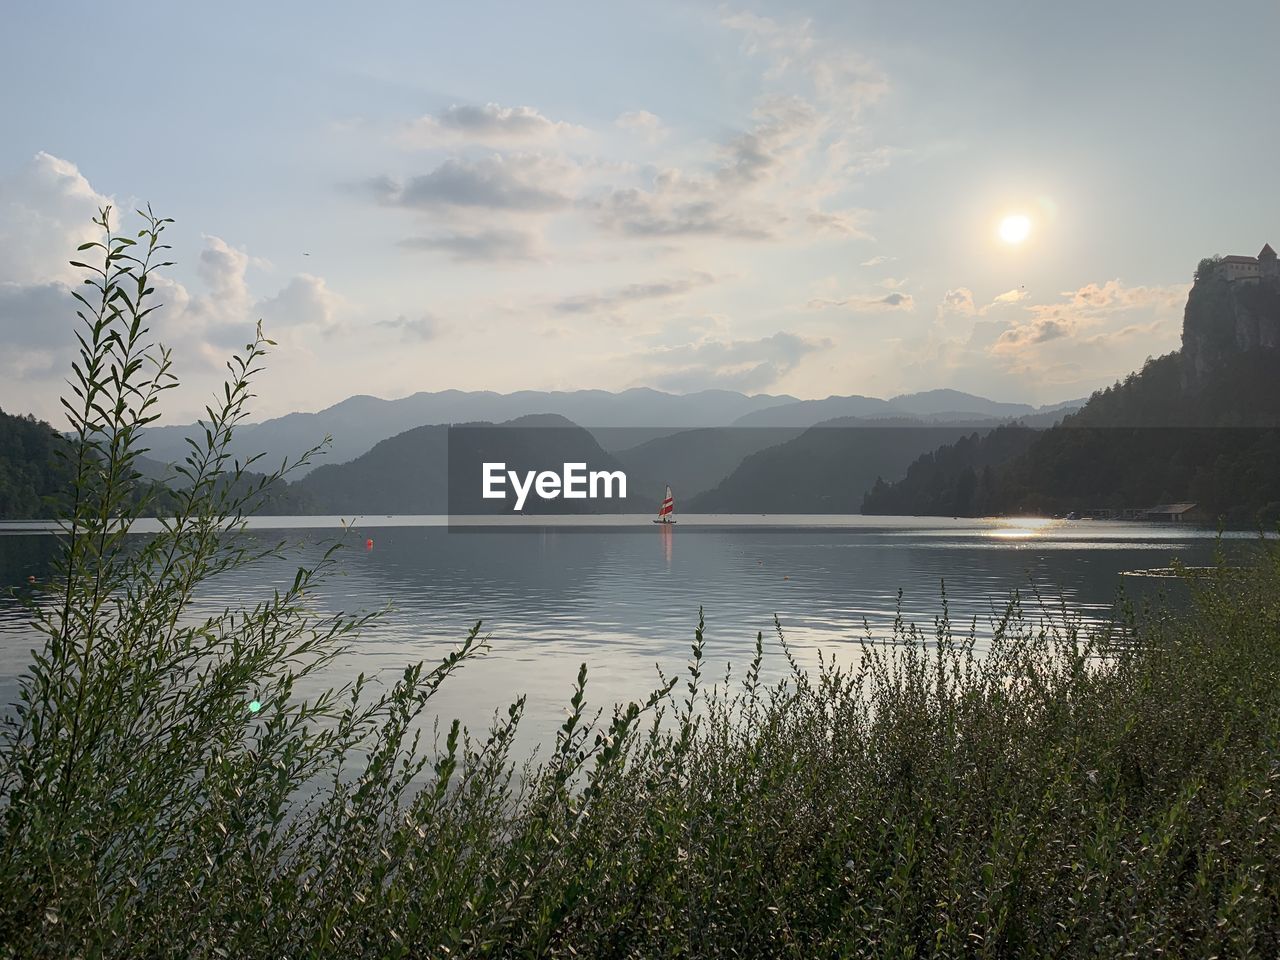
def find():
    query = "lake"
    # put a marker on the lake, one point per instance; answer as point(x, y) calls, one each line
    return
point(622, 594)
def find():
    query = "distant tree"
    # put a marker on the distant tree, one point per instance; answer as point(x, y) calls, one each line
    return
point(1207, 267)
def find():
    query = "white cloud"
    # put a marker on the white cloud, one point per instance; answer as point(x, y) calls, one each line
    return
point(732, 364)
point(306, 300)
point(889, 301)
point(771, 181)
point(847, 223)
point(1114, 294)
point(221, 313)
point(485, 246)
point(222, 268)
point(784, 175)
point(36, 323)
point(490, 123)
point(420, 328)
point(1093, 316)
point(46, 211)
point(1043, 351)
point(1018, 336)
point(959, 300)
point(644, 124)
point(1011, 296)
point(595, 303)
point(676, 205)
point(838, 75)
point(511, 183)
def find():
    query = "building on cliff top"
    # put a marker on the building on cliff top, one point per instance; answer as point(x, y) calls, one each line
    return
point(1264, 264)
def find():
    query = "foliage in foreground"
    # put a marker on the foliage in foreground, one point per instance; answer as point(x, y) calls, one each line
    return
point(1056, 795)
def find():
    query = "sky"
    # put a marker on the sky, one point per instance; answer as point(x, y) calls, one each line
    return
point(799, 198)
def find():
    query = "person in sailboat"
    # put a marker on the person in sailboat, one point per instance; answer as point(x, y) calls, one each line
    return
point(667, 509)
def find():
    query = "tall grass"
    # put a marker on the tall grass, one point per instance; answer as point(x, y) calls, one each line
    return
point(168, 793)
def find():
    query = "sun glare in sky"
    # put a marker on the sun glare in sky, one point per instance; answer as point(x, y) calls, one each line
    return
point(1015, 228)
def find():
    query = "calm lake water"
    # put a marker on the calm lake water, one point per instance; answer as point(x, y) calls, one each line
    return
point(623, 594)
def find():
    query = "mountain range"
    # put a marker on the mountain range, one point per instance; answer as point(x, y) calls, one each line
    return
point(715, 447)
point(618, 420)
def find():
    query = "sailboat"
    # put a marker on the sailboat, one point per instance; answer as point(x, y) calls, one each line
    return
point(668, 507)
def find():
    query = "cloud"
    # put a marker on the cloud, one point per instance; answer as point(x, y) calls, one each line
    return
point(849, 223)
point(46, 211)
point(783, 174)
point(728, 364)
point(222, 268)
point(1115, 294)
point(306, 300)
point(480, 245)
point(511, 183)
point(1158, 326)
point(728, 200)
point(423, 328)
point(36, 323)
point(847, 80)
point(653, 290)
point(890, 301)
point(774, 180)
point(222, 313)
point(876, 261)
point(1039, 330)
point(783, 43)
point(1011, 296)
point(643, 123)
point(214, 317)
point(678, 206)
point(959, 300)
point(490, 124)
point(759, 153)
point(1094, 317)
point(1069, 347)
point(38, 314)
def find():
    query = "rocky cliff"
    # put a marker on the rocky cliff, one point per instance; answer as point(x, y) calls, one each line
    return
point(1225, 319)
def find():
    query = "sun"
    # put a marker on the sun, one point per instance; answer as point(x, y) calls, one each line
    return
point(1015, 228)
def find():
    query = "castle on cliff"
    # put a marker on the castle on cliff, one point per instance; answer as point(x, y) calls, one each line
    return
point(1233, 313)
point(1246, 269)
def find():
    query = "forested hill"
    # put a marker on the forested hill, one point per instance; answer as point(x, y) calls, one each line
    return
point(827, 468)
point(1201, 425)
point(35, 476)
point(956, 480)
point(437, 470)
point(31, 472)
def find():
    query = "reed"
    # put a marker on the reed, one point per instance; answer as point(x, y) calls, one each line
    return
point(165, 791)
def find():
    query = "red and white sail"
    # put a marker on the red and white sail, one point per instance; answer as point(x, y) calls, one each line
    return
point(668, 505)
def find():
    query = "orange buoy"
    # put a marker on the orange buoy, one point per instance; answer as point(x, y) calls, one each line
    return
point(368, 544)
